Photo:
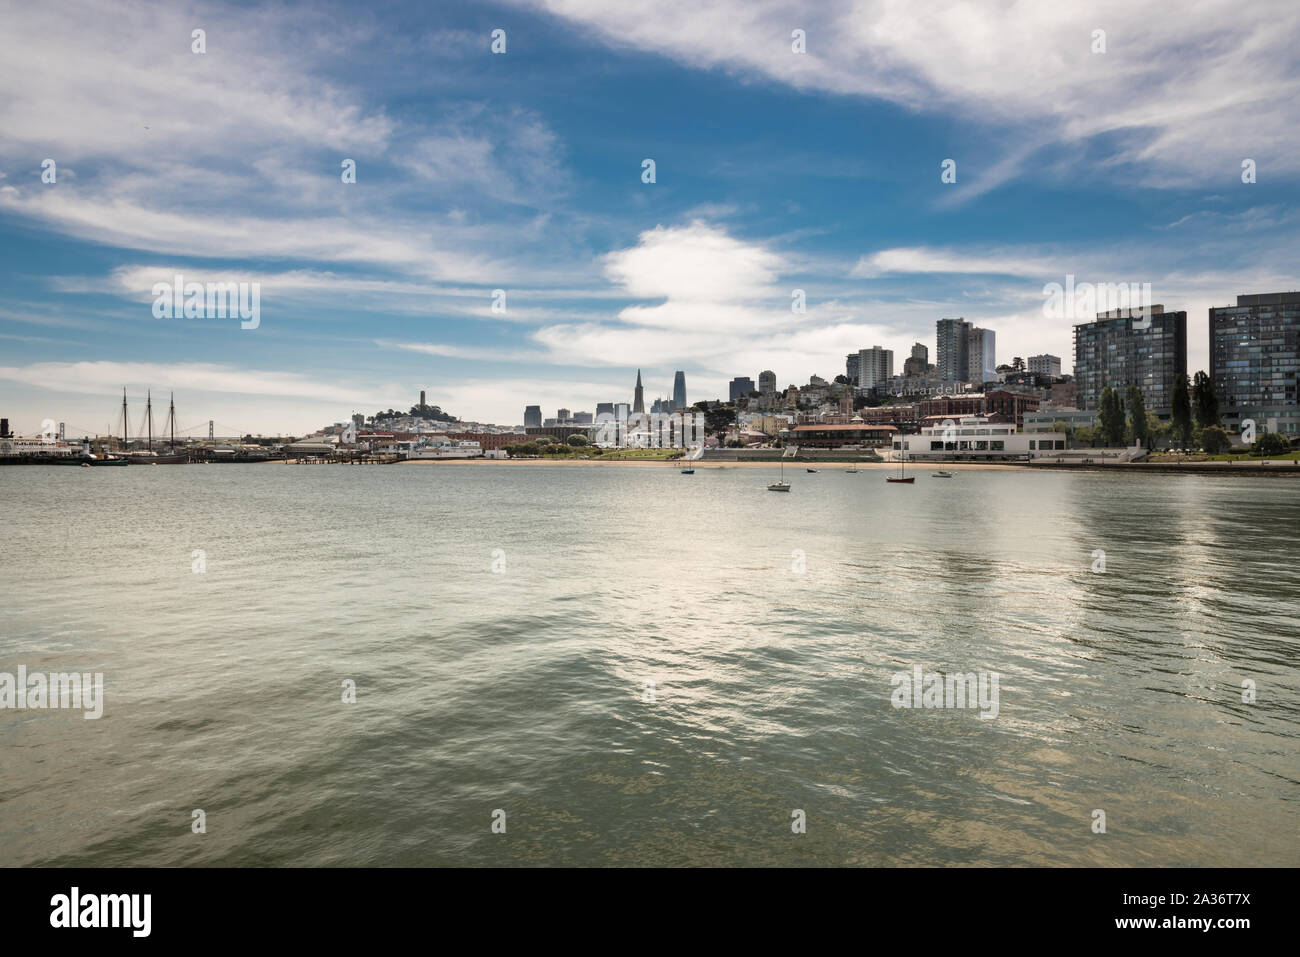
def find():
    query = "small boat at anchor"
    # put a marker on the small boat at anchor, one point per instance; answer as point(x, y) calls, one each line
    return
point(942, 473)
point(688, 471)
point(782, 485)
point(902, 467)
point(812, 470)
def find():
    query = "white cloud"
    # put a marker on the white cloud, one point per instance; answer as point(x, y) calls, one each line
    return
point(1191, 92)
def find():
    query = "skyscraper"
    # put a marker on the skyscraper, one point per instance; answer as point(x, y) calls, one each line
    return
point(1147, 349)
point(981, 363)
point(767, 381)
point(679, 390)
point(875, 367)
point(952, 349)
point(1255, 361)
point(638, 395)
point(532, 416)
point(604, 408)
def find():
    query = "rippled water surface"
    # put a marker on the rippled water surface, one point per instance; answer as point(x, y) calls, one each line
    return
point(524, 689)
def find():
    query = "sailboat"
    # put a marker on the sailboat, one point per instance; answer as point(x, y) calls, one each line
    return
point(902, 462)
point(782, 485)
point(150, 457)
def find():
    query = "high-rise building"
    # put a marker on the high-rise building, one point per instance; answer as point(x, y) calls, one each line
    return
point(740, 387)
point(767, 381)
point(679, 390)
point(952, 349)
point(604, 408)
point(582, 418)
point(638, 395)
point(851, 368)
point(981, 355)
point(422, 398)
point(875, 367)
point(1045, 365)
point(532, 416)
point(562, 415)
point(1146, 348)
point(1255, 360)
point(918, 363)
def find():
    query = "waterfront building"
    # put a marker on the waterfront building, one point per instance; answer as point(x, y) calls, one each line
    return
point(1044, 420)
point(638, 395)
point(820, 435)
point(740, 387)
point(532, 416)
point(1146, 347)
point(975, 438)
point(1255, 361)
point(488, 440)
point(1045, 365)
point(679, 389)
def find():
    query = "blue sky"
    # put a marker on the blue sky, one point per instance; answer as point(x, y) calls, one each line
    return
point(521, 171)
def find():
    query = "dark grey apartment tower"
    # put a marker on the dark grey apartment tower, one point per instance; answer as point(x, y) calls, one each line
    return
point(604, 408)
point(533, 416)
point(679, 390)
point(1147, 349)
point(4, 429)
point(741, 386)
point(1254, 357)
point(952, 349)
point(638, 395)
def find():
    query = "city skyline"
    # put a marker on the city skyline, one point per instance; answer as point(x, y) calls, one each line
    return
point(473, 178)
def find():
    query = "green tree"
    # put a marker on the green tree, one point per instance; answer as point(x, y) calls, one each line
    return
point(1270, 443)
point(1137, 412)
point(1157, 431)
point(1205, 401)
point(577, 440)
point(1214, 440)
point(1182, 413)
point(1110, 418)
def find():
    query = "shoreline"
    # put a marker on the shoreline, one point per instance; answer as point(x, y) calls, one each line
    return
point(795, 466)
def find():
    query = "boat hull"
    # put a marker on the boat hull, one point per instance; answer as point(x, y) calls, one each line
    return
point(177, 458)
point(905, 481)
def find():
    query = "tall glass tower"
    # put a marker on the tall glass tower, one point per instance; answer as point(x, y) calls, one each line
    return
point(679, 391)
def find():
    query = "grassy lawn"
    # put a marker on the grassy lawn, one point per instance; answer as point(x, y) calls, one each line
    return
point(1223, 457)
point(618, 455)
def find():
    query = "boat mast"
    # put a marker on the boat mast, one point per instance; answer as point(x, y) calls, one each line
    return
point(171, 418)
point(148, 414)
point(124, 418)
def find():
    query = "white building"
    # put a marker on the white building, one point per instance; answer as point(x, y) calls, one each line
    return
point(975, 439)
point(1045, 365)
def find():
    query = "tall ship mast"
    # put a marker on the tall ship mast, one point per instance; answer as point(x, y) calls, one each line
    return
point(149, 456)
